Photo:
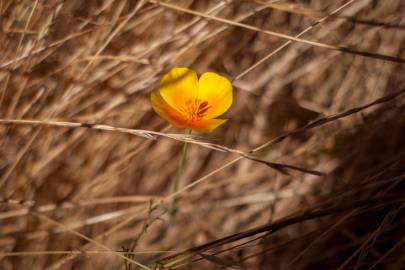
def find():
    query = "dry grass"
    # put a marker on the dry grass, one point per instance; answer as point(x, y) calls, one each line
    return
point(308, 173)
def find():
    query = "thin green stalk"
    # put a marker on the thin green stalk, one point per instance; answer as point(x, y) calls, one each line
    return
point(173, 208)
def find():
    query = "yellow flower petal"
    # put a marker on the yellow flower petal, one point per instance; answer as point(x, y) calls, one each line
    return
point(178, 87)
point(206, 125)
point(217, 91)
point(187, 102)
point(167, 112)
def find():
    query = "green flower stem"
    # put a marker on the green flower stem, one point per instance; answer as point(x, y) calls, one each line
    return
point(173, 208)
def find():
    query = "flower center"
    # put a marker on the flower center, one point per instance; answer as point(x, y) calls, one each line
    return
point(196, 109)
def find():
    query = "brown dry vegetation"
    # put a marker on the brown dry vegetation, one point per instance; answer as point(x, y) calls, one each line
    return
point(78, 193)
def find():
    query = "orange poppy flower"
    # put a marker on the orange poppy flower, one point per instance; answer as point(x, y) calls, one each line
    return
point(188, 102)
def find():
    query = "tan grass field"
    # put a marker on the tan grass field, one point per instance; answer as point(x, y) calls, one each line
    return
point(308, 172)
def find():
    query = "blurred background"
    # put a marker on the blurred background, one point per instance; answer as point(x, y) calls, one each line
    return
point(330, 101)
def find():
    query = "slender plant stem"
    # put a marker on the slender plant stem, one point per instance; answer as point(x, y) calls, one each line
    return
point(173, 208)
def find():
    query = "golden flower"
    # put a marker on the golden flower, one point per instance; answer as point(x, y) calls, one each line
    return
point(188, 102)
